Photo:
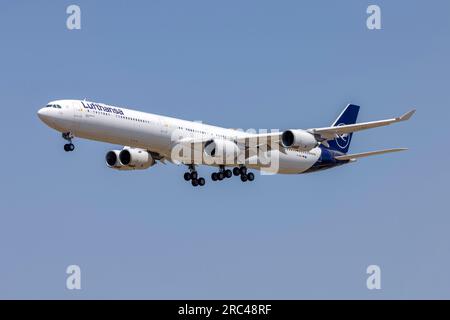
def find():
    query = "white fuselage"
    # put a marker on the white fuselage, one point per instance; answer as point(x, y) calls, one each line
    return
point(155, 133)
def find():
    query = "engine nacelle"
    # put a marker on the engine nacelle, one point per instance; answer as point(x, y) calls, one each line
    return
point(300, 139)
point(223, 150)
point(129, 159)
point(112, 160)
point(136, 158)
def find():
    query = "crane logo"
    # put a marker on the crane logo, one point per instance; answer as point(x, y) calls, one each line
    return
point(342, 140)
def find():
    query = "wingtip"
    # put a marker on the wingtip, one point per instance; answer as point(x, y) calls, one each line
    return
point(407, 115)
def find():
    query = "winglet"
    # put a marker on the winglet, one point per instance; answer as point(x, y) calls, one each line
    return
point(407, 115)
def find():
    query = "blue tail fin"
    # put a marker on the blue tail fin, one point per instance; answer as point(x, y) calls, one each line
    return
point(348, 116)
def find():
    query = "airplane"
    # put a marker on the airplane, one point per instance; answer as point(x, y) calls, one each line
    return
point(149, 139)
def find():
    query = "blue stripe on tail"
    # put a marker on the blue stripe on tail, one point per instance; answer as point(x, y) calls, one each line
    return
point(348, 116)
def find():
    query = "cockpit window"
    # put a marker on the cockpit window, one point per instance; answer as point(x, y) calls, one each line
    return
point(56, 106)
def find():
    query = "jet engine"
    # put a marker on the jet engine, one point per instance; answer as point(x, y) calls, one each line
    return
point(300, 139)
point(129, 159)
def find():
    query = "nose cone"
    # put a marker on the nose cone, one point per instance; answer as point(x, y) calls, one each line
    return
point(44, 115)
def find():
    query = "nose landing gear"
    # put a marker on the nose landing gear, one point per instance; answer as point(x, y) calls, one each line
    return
point(68, 147)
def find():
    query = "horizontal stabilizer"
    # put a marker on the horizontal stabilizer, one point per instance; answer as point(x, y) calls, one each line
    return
point(367, 154)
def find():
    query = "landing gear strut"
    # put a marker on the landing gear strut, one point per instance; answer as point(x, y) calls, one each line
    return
point(68, 147)
point(192, 176)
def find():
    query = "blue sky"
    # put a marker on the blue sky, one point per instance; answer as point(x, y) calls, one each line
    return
point(248, 64)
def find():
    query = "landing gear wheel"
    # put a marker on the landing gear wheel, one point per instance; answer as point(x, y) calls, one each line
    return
point(243, 178)
point(228, 173)
point(194, 182)
point(66, 147)
point(201, 182)
point(243, 170)
point(214, 176)
point(187, 176)
point(194, 175)
point(220, 176)
point(71, 147)
point(236, 171)
point(250, 176)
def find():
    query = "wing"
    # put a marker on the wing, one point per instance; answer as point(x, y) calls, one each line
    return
point(367, 154)
point(272, 140)
point(330, 133)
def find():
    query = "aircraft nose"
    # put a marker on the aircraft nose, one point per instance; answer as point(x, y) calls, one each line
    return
point(43, 114)
point(40, 113)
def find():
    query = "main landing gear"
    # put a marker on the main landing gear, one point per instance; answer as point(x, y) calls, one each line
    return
point(222, 174)
point(242, 171)
point(192, 176)
point(237, 171)
point(68, 147)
